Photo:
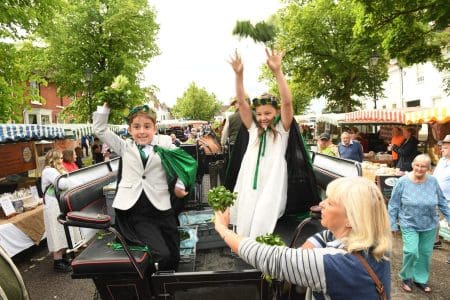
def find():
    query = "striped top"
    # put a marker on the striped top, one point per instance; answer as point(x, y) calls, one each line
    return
point(330, 272)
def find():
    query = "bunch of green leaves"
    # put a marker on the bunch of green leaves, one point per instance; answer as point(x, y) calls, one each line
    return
point(270, 239)
point(117, 94)
point(184, 235)
point(260, 32)
point(220, 198)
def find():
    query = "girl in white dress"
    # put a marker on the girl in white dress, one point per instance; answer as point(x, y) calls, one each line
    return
point(261, 185)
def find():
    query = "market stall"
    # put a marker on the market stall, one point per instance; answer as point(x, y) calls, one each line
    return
point(22, 231)
point(377, 128)
point(22, 151)
point(329, 123)
point(440, 115)
point(438, 122)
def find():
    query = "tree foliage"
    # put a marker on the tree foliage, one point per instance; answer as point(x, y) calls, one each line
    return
point(324, 57)
point(413, 31)
point(196, 104)
point(20, 60)
point(96, 41)
point(21, 18)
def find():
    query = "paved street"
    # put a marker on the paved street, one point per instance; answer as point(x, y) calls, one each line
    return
point(35, 265)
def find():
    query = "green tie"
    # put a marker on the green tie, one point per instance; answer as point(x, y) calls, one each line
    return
point(142, 152)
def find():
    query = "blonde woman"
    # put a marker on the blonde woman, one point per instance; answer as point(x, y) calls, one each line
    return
point(355, 216)
point(56, 238)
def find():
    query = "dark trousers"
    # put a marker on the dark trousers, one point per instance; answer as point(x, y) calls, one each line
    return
point(156, 229)
point(85, 147)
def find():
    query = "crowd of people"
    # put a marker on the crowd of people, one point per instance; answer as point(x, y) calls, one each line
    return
point(356, 238)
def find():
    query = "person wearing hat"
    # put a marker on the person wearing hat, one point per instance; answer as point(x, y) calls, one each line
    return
point(442, 174)
point(232, 125)
point(325, 146)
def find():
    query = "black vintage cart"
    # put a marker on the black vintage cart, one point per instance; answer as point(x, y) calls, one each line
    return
point(210, 271)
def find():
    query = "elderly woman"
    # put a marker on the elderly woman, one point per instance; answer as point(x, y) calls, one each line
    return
point(413, 204)
point(355, 214)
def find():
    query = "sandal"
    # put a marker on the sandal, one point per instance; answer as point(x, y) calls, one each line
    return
point(423, 286)
point(407, 285)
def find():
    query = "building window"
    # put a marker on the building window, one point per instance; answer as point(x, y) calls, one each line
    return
point(34, 90)
point(413, 103)
point(438, 101)
point(420, 80)
point(45, 119)
point(394, 105)
point(419, 74)
point(32, 119)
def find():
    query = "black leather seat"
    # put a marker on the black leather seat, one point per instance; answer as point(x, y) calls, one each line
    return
point(100, 259)
point(84, 205)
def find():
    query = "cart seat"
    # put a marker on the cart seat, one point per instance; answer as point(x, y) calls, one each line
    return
point(100, 259)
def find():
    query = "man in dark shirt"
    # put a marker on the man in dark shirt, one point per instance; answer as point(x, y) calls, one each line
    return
point(175, 141)
point(97, 155)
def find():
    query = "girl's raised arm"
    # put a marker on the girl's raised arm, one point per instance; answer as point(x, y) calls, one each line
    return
point(274, 59)
point(244, 108)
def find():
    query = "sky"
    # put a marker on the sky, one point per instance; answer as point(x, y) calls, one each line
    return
point(196, 41)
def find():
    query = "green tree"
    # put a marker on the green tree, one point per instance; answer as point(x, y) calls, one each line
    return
point(21, 18)
point(413, 31)
point(196, 104)
point(20, 60)
point(300, 97)
point(324, 57)
point(94, 42)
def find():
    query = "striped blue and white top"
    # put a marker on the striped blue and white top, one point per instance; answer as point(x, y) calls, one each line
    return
point(330, 272)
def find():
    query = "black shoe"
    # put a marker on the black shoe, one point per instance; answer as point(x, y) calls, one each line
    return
point(61, 266)
point(437, 245)
point(67, 259)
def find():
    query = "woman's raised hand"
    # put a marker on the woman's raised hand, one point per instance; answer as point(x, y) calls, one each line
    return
point(222, 218)
point(236, 63)
point(274, 58)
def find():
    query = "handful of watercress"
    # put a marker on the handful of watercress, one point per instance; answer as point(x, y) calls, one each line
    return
point(270, 239)
point(219, 198)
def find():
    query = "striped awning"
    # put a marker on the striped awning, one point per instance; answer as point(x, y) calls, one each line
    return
point(29, 132)
point(377, 116)
point(32, 132)
point(76, 131)
point(430, 115)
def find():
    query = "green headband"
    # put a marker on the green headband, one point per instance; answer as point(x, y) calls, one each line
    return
point(265, 101)
point(141, 108)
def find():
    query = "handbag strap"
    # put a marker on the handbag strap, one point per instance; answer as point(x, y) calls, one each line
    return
point(379, 285)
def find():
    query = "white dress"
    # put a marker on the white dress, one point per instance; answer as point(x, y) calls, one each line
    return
point(256, 211)
point(54, 231)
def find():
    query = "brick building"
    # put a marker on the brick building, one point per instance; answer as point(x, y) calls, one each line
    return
point(48, 111)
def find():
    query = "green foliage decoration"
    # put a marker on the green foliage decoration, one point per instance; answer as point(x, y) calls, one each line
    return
point(271, 239)
point(117, 94)
point(260, 32)
point(220, 198)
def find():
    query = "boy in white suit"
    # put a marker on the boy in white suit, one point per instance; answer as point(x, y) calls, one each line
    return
point(144, 213)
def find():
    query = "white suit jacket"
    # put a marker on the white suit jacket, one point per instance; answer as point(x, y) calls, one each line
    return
point(135, 177)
